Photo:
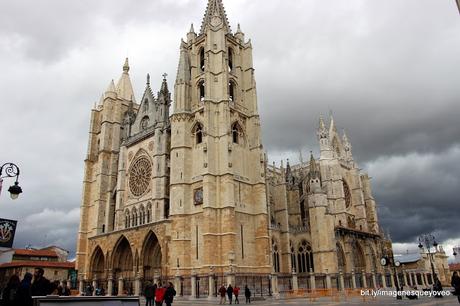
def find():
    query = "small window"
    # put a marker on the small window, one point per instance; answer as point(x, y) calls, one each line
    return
point(236, 132)
point(202, 59)
point(201, 90)
point(231, 91)
point(230, 59)
point(199, 133)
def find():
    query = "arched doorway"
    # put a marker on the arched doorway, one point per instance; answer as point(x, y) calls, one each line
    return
point(151, 257)
point(123, 259)
point(97, 264)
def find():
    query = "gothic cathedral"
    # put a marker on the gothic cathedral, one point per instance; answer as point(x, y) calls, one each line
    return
point(188, 197)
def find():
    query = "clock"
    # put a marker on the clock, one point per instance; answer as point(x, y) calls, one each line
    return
point(198, 196)
point(383, 261)
point(397, 263)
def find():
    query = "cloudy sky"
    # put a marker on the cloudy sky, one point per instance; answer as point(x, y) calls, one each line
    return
point(389, 70)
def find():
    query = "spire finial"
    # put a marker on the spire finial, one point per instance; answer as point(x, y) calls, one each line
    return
point(148, 78)
point(238, 29)
point(192, 30)
point(164, 76)
point(126, 66)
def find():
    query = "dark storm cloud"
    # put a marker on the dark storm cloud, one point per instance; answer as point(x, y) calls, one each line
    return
point(389, 71)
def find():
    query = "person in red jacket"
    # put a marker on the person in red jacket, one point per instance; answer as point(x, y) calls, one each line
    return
point(159, 295)
point(236, 292)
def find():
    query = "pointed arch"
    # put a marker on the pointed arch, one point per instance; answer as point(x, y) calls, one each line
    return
point(201, 59)
point(122, 259)
point(359, 261)
point(97, 264)
point(276, 256)
point(237, 133)
point(232, 91)
point(127, 218)
point(198, 132)
point(346, 194)
point(151, 256)
point(230, 59)
point(141, 215)
point(201, 90)
point(341, 262)
point(305, 257)
point(134, 217)
point(149, 212)
point(293, 259)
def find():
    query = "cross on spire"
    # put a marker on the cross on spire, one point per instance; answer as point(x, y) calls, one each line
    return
point(164, 76)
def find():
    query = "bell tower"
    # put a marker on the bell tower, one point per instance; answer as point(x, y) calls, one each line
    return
point(218, 196)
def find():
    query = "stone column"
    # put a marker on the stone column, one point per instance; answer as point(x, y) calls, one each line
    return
point(353, 279)
point(363, 275)
point(274, 285)
point(384, 279)
point(392, 279)
point(416, 279)
point(81, 285)
point(110, 286)
point(405, 279)
point(341, 281)
point(295, 282)
point(328, 280)
point(193, 284)
point(177, 283)
point(312, 280)
point(94, 286)
point(422, 276)
point(425, 278)
point(137, 285)
point(120, 286)
point(211, 285)
point(374, 279)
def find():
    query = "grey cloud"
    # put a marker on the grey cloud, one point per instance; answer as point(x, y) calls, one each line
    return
point(387, 69)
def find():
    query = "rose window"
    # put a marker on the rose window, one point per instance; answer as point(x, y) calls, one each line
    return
point(139, 176)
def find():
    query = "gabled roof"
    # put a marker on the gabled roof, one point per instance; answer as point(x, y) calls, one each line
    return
point(39, 253)
point(39, 263)
point(408, 258)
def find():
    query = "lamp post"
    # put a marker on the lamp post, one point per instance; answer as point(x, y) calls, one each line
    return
point(11, 170)
point(428, 241)
point(390, 260)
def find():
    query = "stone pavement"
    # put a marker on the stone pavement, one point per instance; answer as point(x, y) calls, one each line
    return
point(383, 301)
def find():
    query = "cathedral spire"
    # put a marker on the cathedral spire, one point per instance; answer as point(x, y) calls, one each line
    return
point(124, 87)
point(214, 16)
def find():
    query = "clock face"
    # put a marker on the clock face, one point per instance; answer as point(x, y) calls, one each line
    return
point(383, 261)
point(397, 263)
point(198, 196)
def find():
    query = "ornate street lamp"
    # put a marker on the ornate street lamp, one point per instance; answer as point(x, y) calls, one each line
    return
point(388, 259)
point(11, 170)
point(428, 241)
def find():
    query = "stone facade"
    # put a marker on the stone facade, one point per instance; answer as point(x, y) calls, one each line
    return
point(189, 195)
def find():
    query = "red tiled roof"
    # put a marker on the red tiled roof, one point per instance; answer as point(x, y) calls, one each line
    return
point(454, 267)
point(39, 263)
point(40, 253)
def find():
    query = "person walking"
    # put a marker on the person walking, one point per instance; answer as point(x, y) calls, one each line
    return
point(247, 294)
point(40, 286)
point(236, 292)
point(455, 282)
point(89, 290)
point(159, 295)
point(170, 294)
point(230, 293)
point(149, 293)
point(23, 295)
point(222, 292)
point(10, 293)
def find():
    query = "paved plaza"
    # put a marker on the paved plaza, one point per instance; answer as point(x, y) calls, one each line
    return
point(450, 300)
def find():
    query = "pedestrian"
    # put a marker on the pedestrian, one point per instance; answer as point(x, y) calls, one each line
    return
point(9, 294)
point(236, 292)
point(159, 295)
point(23, 295)
point(149, 293)
point(247, 294)
point(55, 288)
point(438, 288)
point(455, 282)
point(89, 290)
point(230, 293)
point(170, 294)
point(222, 292)
point(40, 286)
